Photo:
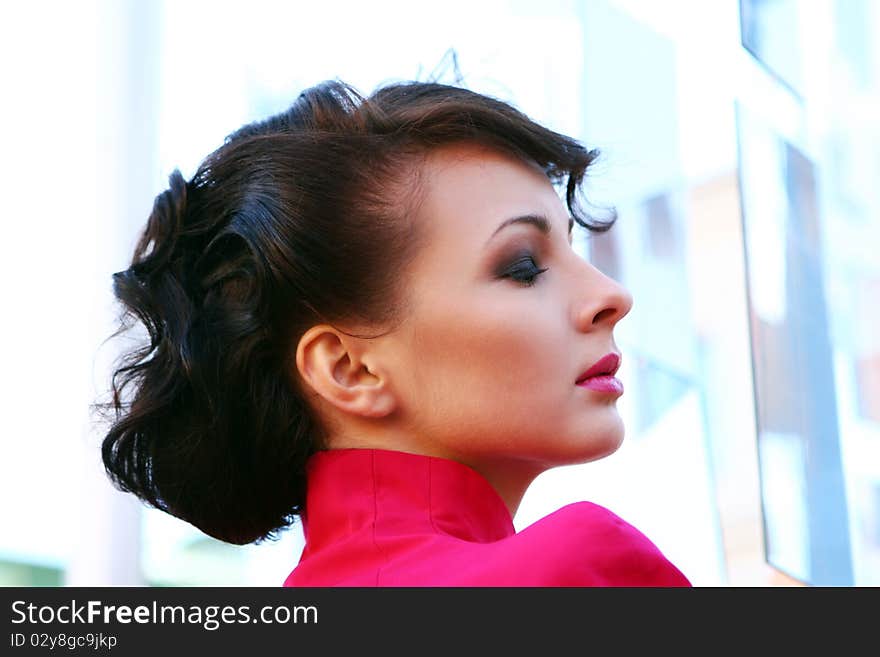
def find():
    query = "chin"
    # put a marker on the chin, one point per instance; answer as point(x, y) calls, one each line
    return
point(600, 444)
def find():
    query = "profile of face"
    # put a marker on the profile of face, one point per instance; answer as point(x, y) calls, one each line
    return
point(503, 318)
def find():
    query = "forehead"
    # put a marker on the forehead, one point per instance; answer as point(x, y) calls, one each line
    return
point(471, 188)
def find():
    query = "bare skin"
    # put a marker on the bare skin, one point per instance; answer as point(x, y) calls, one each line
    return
point(483, 368)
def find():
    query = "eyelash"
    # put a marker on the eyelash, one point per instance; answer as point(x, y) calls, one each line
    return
point(525, 275)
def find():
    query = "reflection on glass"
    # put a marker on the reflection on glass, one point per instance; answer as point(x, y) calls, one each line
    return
point(770, 32)
point(784, 495)
point(795, 394)
point(854, 278)
point(854, 36)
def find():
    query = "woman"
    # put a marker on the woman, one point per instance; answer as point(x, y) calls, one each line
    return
point(367, 313)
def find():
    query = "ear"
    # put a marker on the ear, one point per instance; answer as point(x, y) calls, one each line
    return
point(333, 364)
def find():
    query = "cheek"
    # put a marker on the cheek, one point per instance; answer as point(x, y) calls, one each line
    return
point(481, 359)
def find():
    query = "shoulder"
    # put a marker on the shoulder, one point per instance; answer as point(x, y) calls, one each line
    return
point(585, 544)
point(581, 544)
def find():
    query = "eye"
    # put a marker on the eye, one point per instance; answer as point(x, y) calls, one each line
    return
point(525, 271)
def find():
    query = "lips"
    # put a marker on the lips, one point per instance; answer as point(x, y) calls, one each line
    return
point(605, 366)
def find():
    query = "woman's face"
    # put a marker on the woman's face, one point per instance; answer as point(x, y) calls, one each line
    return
point(484, 365)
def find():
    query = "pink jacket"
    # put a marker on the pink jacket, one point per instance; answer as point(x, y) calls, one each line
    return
point(386, 518)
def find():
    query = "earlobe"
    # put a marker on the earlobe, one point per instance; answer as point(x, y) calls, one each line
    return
point(332, 364)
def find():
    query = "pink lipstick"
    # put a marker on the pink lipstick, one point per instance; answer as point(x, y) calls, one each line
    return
point(600, 376)
point(603, 383)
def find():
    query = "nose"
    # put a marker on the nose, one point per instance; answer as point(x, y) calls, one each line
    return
point(602, 301)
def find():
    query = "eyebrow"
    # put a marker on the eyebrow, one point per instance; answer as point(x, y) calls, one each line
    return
point(539, 221)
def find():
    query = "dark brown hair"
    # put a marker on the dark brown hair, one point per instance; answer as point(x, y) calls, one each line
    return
point(303, 218)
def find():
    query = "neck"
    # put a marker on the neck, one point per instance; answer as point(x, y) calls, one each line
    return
point(510, 480)
point(509, 477)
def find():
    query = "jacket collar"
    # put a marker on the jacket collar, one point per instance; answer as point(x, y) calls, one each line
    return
point(396, 493)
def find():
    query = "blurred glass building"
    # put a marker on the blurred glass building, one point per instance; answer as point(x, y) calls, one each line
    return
point(741, 149)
